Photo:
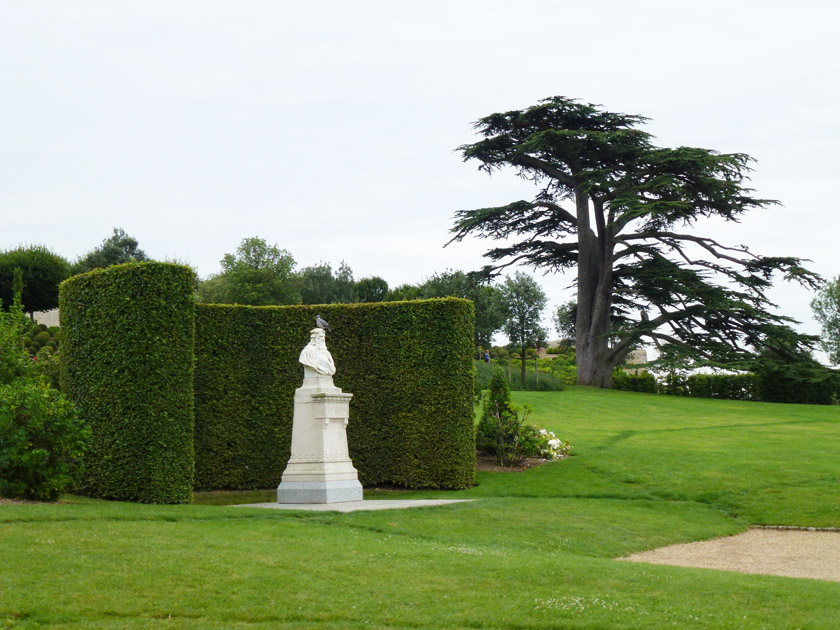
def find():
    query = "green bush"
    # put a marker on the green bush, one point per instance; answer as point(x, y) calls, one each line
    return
point(41, 441)
point(503, 432)
point(544, 382)
point(804, 382)
point(641, 382)
point(41, 437)
point(127, 350)
point(42, 338)
point(726, 386)
point(407, 364)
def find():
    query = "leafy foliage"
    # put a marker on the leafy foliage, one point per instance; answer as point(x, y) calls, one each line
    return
point(609, 203)
point(372, 289)
point(127, 345)
point(117, 249)
point(564, 320)
point(523, 301)
point(826, 307)
point(42, 440)
point(41, 273)
point(407, 365)
point(258, 274)
point(41, 437)
point(503, 430)
point(489, 305)
point(320, 285)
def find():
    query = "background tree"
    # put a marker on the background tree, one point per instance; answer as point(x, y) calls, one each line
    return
point(564, 320)
point(116, 249)
point(258, 274)
point(826, 307)
point(320, 285)
point(404, 292)
point(42, 271)
point(608, 204)
point(524, 302)
point(372, 289)
point(489, 309)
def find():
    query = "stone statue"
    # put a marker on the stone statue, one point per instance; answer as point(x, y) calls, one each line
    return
point(320, 469)
point(315, 354)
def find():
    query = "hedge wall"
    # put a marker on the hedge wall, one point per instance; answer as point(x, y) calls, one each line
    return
point(127, 347)
point(407, 364)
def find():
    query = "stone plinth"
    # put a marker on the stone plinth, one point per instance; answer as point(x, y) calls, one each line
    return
point(320, 469)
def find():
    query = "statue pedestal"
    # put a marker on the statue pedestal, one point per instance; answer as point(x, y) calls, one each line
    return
point(320, 469)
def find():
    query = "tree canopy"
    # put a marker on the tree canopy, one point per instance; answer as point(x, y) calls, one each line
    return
point(372, 289)
point(258, 274)
point(826, 306)
point(523, 301)
point(116, 249)
point(620, 211)
point(319, 284)
point(489, 307)
point(41, 270)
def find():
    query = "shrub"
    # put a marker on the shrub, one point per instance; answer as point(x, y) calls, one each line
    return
point(544, 382)
point(127, 350)
point(503, 432)
point(642, 382)
point(48, 366)
point(42, 338)
point(42, 441)
point(726, 386)
point(804, 382)
point(41, 438)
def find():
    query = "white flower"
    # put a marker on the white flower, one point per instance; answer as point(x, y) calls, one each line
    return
point(543, 432)
point(554, 443)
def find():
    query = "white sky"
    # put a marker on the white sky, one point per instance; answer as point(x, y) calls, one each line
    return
point(329, 127)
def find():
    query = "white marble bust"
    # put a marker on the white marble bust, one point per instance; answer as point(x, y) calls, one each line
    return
point(315, 354)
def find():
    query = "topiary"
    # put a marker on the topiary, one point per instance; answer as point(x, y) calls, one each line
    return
point(41, 338)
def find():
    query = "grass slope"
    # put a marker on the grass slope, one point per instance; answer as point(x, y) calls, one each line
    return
point(535, 551)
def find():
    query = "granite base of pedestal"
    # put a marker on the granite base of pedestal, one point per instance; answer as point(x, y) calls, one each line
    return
point(319, 491)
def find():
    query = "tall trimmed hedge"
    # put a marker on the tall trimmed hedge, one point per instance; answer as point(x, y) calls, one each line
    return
point(407, 364)
point(127, 347)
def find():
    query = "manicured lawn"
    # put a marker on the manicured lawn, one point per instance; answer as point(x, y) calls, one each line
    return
point(533, 551)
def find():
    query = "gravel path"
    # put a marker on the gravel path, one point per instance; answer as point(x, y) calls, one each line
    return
point(790, 553)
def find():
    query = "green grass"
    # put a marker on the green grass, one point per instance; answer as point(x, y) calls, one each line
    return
point(535, 550)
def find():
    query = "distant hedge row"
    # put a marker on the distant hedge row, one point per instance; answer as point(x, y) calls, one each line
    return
point(407, 364)
point(796, 383)
point(127, 346)
point(181, 395)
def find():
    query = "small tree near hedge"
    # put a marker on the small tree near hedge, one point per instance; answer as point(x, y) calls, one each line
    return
point(505, 433)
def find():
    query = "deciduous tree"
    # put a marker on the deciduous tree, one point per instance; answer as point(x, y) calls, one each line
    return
point(258, 274)
point(523, 301)
point(489, 309)
point(826, 308)
point(116, 249)
point(41, 270)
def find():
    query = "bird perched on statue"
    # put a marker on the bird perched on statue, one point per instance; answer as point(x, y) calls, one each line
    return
point(321, 323)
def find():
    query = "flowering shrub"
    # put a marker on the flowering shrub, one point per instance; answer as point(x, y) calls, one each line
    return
point(503, 430)
point(551, 447)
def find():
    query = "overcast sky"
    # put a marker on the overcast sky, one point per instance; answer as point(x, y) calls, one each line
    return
point(330, 128)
